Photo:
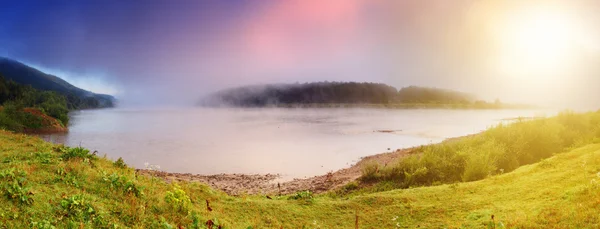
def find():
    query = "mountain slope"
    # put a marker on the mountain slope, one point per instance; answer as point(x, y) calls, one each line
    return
point(77, 97)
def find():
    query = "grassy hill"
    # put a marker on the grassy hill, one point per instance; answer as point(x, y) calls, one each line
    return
point(45, 186)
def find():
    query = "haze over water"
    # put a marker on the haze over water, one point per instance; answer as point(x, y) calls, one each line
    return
point(295, 143)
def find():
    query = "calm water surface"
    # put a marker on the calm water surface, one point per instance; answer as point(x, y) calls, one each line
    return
point(293, 142)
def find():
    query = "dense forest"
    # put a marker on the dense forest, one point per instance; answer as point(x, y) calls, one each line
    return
point(337, 93)
point(21, 105)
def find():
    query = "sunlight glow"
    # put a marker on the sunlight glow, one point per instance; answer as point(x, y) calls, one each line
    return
point(538, 42)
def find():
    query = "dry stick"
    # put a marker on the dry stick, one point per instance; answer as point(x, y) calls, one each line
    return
point(356, 220)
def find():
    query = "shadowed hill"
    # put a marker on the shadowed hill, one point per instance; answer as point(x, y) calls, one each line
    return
point(77, 98)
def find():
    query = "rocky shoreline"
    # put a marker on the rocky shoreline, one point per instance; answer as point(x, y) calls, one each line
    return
point(257, 184)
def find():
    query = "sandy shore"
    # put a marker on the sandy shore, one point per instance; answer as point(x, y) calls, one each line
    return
point(238, 184)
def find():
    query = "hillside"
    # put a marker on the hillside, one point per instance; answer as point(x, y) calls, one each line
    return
point(46, 185)
point(77, 98)
point(344, 94)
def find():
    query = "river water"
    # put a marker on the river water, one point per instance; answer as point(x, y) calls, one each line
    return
point(293, 142)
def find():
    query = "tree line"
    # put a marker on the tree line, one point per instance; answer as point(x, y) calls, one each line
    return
point(333, 93)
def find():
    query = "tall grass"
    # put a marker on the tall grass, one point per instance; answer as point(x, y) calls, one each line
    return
point(498, 150)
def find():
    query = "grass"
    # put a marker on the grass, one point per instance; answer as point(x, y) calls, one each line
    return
point(498, 150)
point(49, 186)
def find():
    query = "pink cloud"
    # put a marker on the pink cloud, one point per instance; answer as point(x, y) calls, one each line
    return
point(292, 32)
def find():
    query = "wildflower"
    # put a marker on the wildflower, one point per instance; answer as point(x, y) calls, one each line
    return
point(395, 218)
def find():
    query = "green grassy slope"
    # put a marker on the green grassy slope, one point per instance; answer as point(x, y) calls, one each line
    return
point(45, 186)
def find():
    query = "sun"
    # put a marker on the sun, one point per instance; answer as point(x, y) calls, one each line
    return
point(537, 41)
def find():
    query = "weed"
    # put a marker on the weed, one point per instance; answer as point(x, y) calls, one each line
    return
point(177, 199)
point(303, 195)
point(69, 153)
point(77, 207)
point(44, 224)
point(128, 186)
point(44, 157)
point(17, 192)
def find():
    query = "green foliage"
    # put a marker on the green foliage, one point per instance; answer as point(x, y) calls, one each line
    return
point(123, 183)
point(44, 157)
point(119, 163)
point(302, 195)
point(44, 224)
point(498, 150)
point(370, 171)
point(177, 199)
point(14, 186)
point(69, 153)
point(16, 191)
point(77, 207)
point(15, 97)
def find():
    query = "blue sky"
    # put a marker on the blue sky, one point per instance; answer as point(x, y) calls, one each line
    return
point(175, 51)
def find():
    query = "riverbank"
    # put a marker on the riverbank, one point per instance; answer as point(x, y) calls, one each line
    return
point(46, 185)
point(253, 184)
point(267, 184)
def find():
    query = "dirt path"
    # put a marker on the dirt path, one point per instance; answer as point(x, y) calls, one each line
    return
point(237, 184)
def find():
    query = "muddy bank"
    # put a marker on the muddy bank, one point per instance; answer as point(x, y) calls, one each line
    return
point(238, 184)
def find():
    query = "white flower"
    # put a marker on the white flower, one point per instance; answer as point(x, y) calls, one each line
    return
point(395, 218)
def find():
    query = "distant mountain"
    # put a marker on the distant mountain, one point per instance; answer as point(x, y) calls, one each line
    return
point(77, 98)
point(332, 93)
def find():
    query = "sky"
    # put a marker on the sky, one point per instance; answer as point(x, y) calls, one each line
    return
point(173, 52)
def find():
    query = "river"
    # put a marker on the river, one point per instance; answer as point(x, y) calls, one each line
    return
point(293, 142)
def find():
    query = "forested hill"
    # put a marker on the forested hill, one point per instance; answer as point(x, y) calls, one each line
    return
point(77, 98)
point(334, 93)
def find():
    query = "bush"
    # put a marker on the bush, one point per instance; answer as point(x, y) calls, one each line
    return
point(77, 207)
point(122, 182)
point(119, 163)
point(77, 152)
point(370, 171)
point(177, 199)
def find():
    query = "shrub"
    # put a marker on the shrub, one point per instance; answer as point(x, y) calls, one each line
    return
point(77, 207)
point(119, 163)
point(122, 182)
point(370, 171)
point(17, 192)
point(14, 188)
point(77, 152)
